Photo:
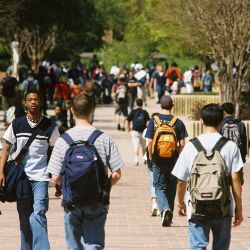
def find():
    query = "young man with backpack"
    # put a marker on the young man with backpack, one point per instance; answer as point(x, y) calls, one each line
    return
point(139, 118)
point(173, 74)
point(32, 206)
point(80, 161)
point(235, 130)
point(30, 83)
point(166, 134)
point(120, 95)
point(209, 164)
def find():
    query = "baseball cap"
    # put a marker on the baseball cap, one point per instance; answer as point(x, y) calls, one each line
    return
point(166, 101)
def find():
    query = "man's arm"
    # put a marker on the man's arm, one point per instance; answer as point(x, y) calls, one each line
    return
point(129, 127)
point(181, 145)
point(237, 194)
point(181, 190)
point(4, 157)
point(150, 148)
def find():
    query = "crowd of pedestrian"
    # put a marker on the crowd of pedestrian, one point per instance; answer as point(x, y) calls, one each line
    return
point(67, 150)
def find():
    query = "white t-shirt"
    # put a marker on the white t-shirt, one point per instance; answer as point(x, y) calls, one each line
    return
point(187, 77)
point(230, 153)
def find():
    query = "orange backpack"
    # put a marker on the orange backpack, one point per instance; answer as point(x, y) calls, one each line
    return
point(164, 144)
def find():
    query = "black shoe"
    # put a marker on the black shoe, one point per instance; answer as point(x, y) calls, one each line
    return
point(118, 127)
point(166, 218)
point(123, 129)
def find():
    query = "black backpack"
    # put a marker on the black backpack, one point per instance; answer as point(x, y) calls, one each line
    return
point(31, 85)
point(139, 120)
point(161, 79)
point(173, 75)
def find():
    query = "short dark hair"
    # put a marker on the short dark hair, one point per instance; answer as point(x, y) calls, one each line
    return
point(212, 115)
point(139, 102)
point(174, 64)
point(82, 105)
point(32, 92)
point(228, 107)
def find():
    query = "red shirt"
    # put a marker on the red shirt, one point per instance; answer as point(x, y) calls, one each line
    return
point(62, 90)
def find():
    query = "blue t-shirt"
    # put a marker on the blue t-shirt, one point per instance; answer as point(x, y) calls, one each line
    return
point(179, 127)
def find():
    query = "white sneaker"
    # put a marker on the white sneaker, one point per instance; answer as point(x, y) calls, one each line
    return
point(154, 210)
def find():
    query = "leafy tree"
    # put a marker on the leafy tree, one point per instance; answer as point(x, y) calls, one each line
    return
point(43, 25)
point(225, 26)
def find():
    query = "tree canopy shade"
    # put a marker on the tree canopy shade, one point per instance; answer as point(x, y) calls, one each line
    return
point(42, 26)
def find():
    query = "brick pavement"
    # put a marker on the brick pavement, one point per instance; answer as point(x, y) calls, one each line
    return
point(129, 225)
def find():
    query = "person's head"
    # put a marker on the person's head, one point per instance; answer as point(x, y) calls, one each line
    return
point(228, 108)
point(32, 100)
point(174, 64)
point(159, 68)
point(166, 102)
point(196, 67)
point(63, 77)
point(139, 102)
point(30, 73)
point(82, 106)
point(58, 110)
point(131, 73)
point(212, 115)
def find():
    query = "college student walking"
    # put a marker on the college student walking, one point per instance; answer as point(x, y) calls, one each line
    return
point(210, 164)
point(139, 118)
point(85, 214)
point(32, 210)
point(166, 134)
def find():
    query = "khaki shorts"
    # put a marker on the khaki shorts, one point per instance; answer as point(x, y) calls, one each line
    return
point(138, 140)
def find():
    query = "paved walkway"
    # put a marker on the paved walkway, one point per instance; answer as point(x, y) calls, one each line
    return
point(129, 224)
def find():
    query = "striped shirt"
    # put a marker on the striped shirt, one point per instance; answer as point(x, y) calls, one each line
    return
point(105, 146)
point(35, 161)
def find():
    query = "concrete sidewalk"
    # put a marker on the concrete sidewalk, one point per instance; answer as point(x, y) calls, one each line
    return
point(129, 225)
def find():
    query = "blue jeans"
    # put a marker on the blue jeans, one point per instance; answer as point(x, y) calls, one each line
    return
point(150, 173)
point(199, 234)
point(84, 226)
point(160, 91)
point(33, 221)
point(165, 185)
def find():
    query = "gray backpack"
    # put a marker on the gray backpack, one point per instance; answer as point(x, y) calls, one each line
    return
point(209, 183)
point(230, 130)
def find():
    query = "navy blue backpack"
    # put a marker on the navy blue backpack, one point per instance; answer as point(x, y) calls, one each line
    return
point(84, 178)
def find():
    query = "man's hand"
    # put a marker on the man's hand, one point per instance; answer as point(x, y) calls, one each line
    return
point(2, 180)
point(182, 209)
point(58, 192)
point(238, 218)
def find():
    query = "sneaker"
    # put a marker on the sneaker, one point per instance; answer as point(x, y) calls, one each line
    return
point(154, 210)
point(118, 127)
point(136, 163)
point(166, 218)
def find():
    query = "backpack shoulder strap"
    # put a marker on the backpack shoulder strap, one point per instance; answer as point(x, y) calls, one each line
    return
point(173, 121)
point(157, 120)
point(93, 136)
point(197, 144)
point(67, 138)
point(220, 143)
